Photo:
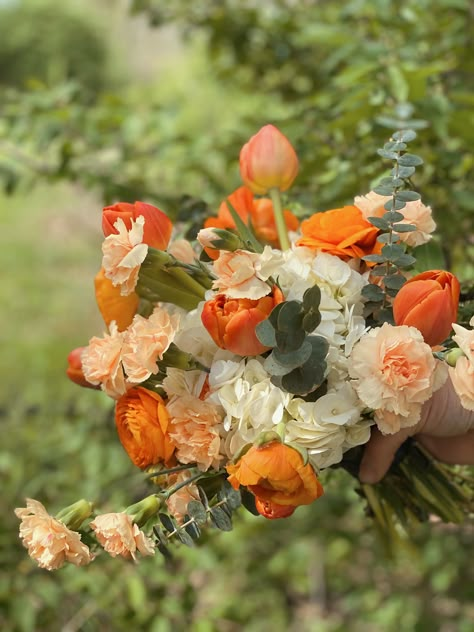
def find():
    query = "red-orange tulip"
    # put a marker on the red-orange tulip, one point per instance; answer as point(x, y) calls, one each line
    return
point(276, 473)
point(157, 228)
point(428, 301)
point(268, 161)
point(74, 370)
point(142, 422)
point(272, 511)
point(231, 322)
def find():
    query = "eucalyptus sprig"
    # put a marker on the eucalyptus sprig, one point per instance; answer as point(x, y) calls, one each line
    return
point(393, 258)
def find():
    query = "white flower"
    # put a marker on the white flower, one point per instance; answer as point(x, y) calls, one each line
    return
point(181, 383)
point(193, 336)
point(341, 407)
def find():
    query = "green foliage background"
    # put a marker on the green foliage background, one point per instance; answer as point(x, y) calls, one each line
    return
point(330, 75)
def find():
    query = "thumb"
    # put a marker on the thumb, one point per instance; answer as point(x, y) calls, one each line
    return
point(379, 453)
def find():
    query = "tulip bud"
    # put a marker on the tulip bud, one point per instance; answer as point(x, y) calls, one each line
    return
point(74, 515)
point(268, 161)
point(156, 230)
point(428, 301)
point(74, 370)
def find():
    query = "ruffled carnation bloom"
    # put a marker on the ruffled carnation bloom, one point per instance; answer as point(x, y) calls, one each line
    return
point(101, 362)
point(239, 276)
point(462, 375)
point(118, 535)
point(415, 213)
point(48, 540)
point(145, 342)
point(394, 373)
point(124, 253)
point(194, 428)
point(182, 250)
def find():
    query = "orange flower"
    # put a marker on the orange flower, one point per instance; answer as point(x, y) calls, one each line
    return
point(74, 370)
point(342, 232)
point(428, 301)
point(270, 510)
point(231, 322)
point(275, 473)
point(258, 212)
point(142, 423)
point(112, 305)
point(157, 228)
point(268, 161)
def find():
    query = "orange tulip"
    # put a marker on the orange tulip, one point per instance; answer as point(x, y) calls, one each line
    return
point(276, 473)
point(74, 370)
point(258, 212)
point(342, 232)
point(272, 511)
point(157, 228)
point(268, 161)
point(231, 322)
point(142, 422)
point(428, 301)
point(112, 305)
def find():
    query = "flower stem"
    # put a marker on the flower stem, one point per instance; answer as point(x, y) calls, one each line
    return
point(179, 486)
point(279, 219)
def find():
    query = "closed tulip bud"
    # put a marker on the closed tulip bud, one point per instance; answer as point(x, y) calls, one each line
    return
point(428, 301)
point(156, 230)
point(74, 370)
point(268, 161)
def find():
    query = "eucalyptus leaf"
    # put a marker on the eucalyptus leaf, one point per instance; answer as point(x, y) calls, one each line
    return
point(248, 501)
point(203, 497)
point(379, 222)
point(293, 358)
point(312, 298)
point(404, 261)
point(403, 172)
point(384, 189)
point(289, 340)
point(393, 216)
point(393, 251)
point(374, 258)
point(408, 196)
point(184, 537)
point(404, 136)
point(167, 522)
point(192, 529)
point(265, 333)
point(311, 320)
point(230, 495)
point(273, 318)
point(394, 205)
point(390, 155)
point(197, 511)
point(404, 228)
point(394, 281)
point(410, 160)
point(373, 292)
point(220, 519)
point(290, 316)
point(385, 238)
point(273, 367)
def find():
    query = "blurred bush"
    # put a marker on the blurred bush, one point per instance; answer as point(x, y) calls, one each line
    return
point(50, 42)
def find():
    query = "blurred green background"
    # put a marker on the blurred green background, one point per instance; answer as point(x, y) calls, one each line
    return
point(113, 100)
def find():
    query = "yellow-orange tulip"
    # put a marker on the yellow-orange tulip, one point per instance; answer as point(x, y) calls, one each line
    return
point(276, 473)
point(157, 228)
point(142, 422)
point(428, 301)
point(112, 305)
point(268, 161)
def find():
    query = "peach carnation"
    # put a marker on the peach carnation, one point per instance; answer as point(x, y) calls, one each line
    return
point(48, 540)
point(117, 533)
point(124, 253)
point(182, 250)
point(394, 373)
point(194, 428)
point(145, 342)
point(415, 213)
point(178, 502)
point(101, 362)
point(238, 275)
point(462, 375)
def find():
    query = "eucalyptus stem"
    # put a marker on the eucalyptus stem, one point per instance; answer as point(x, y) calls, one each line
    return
point(179, 486)
point(279, 219)
point(171, 470)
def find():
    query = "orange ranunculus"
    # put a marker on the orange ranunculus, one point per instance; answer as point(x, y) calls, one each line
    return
point(112, 305)
point(268, 161)
point(74, 370)
point(272, 511)
point(276, 473)
point(142, 422)
point(428, 301)
point(231, 322)
point(259, 212)
point(342, 232)
point(157, 228)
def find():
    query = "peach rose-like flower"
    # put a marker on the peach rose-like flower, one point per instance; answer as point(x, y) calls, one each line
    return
point(118, 535)
point(194, 428)
point(145, 342)
point(394, 373)
point(101, 362)
point(342, 232)
point(462, 374)
point(48, 540)
point(415, 213)
point(238, 275)
point(124, 253)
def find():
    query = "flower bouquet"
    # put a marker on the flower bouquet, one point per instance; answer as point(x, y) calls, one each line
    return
point(246, 362)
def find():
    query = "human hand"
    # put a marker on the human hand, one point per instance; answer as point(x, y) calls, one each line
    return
point(445, 429)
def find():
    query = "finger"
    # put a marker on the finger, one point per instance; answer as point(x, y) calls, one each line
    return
point(454, 450)
point(379, 453)
point(443, 414)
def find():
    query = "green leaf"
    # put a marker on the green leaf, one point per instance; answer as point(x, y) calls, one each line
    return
point(265, 333)
point(162, 542)
point(374, 258)
point(273, 367)
point(192, 529)
point(384, 238)
point(408, 196)
point(312, 298)
point(384, 189)
point(410, 160)
point(390, 155)
point(287, 341)
point(203, 497)
point(379, 222)
point(248, 501)
point(230, 495)
point(290, 316)
point(395, 146)
point(393, 251)
point(373, 292)
point(184, 537)
point(403, 172)
point(167, 522)
point(311, 320)
point(404, 136)
point(394, 281)
point(393, 216)
point(404, 261)
point(244, 231)
point(404, 228)
point(394, 205)
point(273, 318)
point(320, 348)
point(220, 519)
point(197, 511)
point(294, 358)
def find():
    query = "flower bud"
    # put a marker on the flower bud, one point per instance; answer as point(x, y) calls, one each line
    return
point(142, 511)
point(268, 161)
point(157, 228)
point(453, 356)
point(74, 370)
point(428, 301)
point(219, 239)
point(273, 511)
point(74, 515)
